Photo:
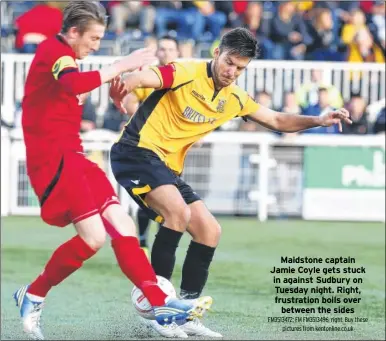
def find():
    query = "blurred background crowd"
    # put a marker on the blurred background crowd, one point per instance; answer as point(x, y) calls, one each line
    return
point(335, 31)
point(291, 30)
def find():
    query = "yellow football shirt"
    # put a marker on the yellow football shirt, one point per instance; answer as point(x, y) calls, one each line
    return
point(171, 120)
point(142, 93)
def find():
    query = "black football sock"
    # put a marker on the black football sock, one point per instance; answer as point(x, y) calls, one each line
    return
point(163, 253)
point(143, 227)
point(195, 269)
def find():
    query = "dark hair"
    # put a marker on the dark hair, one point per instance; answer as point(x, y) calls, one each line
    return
point(80, 13)
point(168, 37)
point(239, 41)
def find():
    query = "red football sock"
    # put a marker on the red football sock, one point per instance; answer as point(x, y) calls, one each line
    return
point(67, 258)
point(135, 265)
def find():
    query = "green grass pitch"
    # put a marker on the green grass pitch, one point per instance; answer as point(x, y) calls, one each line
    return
point(94, 303)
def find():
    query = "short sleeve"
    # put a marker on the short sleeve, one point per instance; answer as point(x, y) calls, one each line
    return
point(175, 74)
point(246, 102)
point(249, 107)
point(184, 72)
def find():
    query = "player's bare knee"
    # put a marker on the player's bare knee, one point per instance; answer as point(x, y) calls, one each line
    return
point(209, 236)
point(96, 241)
point(177, 218)
point(92, 231)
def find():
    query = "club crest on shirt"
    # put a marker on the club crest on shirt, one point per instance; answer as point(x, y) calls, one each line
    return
point(220, 106)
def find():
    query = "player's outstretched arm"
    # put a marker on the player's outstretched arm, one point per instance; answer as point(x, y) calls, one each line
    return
point(66, 71)
point(142, 79)
point(290, 123)
point(133, 61)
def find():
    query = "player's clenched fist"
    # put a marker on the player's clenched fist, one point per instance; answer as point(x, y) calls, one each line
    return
point(335, 117)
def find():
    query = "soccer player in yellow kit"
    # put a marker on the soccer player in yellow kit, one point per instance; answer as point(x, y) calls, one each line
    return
point(167, 52)
point(192, 99)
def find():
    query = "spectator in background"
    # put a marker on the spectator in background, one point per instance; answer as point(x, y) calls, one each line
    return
point(234, 19)
point(308, 93)
point(151, 42)
point(366, 5)
point(290, 104)
point(356, 23)
point(124, 13)
point(379, 126)
point(325, 45)
point(254, 21)
point(288, 33)
point(250, 16)
point(360, 124)
point(320, 108)
point(364, 50)
point(171, 13)
point(253, 17)
point(36, 25)
point(265, 99)
point(303, 6)
point(167, 52)
point(378, 24)
point(113, 119)
point(88, 116)
point(340, 12)
point(206, 15)
point(186, 49)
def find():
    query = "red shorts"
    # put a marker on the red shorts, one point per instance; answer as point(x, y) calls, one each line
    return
point(71, 188)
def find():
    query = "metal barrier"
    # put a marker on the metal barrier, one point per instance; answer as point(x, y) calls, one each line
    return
point(275, 77)
point(249, 174)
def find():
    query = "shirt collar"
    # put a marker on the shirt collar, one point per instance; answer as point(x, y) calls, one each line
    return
point(209, 69)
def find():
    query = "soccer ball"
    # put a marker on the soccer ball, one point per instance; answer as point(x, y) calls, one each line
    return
point(142, 305)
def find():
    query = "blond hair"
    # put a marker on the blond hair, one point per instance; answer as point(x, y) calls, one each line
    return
point(80, 13)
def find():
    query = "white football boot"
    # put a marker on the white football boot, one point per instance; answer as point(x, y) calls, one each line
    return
point(175, 313)
point(30, 313)
point(171, 330)
point(196, 328)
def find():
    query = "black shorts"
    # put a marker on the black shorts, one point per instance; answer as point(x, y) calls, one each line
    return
point(140, 170)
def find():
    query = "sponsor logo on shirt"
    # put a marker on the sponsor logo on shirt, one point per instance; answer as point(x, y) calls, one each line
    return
point(195, 116)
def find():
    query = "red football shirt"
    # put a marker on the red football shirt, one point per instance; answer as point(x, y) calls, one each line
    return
point(51, 112)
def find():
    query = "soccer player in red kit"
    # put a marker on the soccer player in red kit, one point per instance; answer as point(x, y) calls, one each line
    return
point(72, 189)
